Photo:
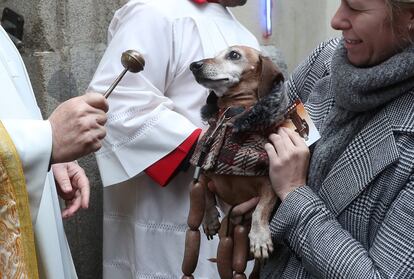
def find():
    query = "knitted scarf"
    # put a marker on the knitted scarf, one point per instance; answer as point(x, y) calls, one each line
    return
point(358, 94)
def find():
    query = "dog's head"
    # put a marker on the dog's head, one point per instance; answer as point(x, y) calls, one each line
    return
point(235, 70)
point(242, 76)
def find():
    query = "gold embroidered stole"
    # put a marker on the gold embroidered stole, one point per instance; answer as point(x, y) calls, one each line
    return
point(17, 248)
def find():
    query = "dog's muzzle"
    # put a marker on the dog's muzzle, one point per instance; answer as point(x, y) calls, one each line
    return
point(196, 67)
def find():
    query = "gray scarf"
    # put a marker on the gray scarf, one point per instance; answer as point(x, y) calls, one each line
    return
point(358, 93)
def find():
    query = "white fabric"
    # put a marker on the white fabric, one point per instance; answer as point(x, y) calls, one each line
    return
point(150, 114)
point(32, 137)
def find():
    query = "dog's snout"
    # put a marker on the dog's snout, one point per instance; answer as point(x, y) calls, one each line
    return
point(196, 66)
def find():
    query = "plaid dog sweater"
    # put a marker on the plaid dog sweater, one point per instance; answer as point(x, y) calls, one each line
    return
point(232, 153)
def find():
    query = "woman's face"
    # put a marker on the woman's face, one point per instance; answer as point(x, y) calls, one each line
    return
point(369, 35)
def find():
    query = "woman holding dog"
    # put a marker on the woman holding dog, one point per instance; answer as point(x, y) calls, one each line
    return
point(347, 207)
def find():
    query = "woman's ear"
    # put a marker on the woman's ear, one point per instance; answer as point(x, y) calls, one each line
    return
point(403, 24)
point(409, 26)
point(411, 20)
point(409, 16)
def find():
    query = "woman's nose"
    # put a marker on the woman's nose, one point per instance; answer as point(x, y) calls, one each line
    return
point(340, 20)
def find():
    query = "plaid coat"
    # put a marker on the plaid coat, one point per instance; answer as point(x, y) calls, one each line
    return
point(360, 224)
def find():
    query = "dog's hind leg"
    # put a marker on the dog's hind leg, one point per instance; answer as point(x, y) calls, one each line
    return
point(260, 240)
point(211, 223)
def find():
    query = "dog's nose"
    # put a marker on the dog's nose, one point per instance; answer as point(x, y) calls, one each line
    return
point(196, 66)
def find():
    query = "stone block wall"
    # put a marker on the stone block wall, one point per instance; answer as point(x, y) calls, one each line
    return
point(63, 43)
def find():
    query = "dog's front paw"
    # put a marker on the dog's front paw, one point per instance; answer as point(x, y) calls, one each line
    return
point(211, 223)
point(261, 244)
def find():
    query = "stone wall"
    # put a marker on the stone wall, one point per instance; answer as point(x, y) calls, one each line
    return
point(64, 41)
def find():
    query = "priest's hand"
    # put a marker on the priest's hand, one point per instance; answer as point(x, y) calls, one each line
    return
point(78, 127)
point(72, 186)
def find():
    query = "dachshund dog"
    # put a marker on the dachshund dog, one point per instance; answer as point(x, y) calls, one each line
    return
point(246, 103)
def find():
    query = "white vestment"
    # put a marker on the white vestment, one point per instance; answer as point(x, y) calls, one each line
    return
point(32, 138)
point(150, 114)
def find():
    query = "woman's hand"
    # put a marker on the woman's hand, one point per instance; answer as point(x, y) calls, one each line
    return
point(288, 161)
point(72, 186)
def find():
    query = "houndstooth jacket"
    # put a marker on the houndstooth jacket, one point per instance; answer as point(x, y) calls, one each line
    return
point(360, 224)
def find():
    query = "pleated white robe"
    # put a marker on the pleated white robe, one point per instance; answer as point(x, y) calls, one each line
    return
point(150, 114)
point(32, 137)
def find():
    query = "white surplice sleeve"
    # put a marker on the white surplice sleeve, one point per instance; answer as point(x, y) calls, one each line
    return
point(21, 117)
point(33, 142)
point(144, 123)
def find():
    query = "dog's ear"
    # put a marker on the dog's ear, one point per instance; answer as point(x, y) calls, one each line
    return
point(269, 75)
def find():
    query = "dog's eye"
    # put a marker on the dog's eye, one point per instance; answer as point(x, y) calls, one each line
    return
point(233, 55)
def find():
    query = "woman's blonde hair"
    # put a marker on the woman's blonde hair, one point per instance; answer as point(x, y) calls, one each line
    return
point(395, 7)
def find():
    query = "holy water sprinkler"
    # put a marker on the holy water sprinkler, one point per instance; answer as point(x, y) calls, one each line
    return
point(132, 61)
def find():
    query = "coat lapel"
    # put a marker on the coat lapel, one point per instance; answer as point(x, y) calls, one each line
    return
point(370, 152)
